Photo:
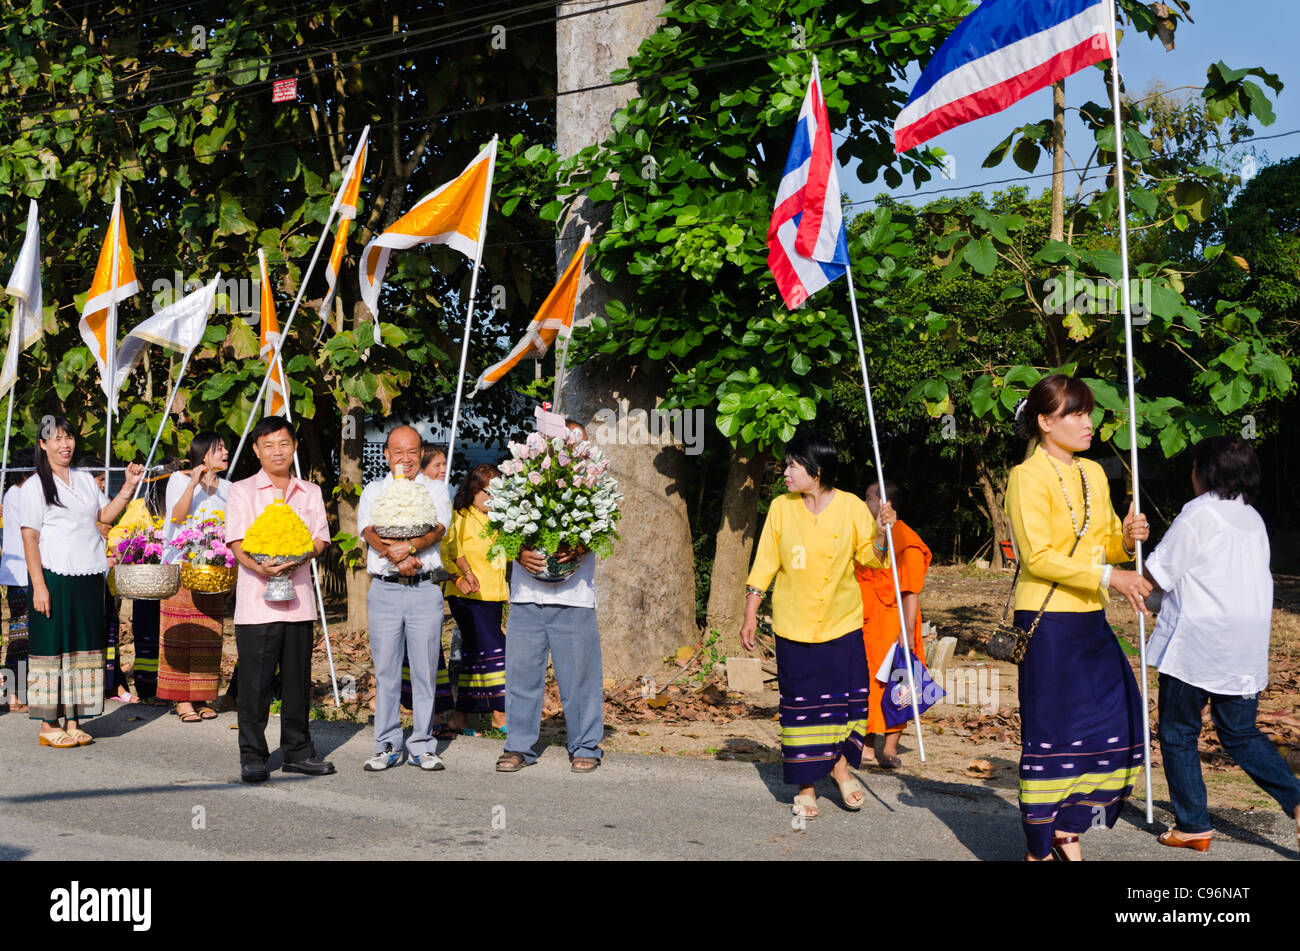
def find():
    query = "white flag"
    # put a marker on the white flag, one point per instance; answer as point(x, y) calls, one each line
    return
point(25, 285)
point(178, 326)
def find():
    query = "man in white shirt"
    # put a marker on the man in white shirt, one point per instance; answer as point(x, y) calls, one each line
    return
point(559, 618)
point(405, 612)
point(1210, 641)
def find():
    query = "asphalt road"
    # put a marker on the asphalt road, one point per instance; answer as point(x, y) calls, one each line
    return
point(153, 787)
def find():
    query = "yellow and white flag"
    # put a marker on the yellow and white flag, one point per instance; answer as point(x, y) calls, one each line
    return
point(277, 390)
point(25, 286)
point(453, 215)
point(99, 316)
point(179, 326)
point(554, 318)
point(348, 200)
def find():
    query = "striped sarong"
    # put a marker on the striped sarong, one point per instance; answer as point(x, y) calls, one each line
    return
point(442, 700)
point(481, 680)
point(189, 655)
point(823, 711)
point(1081, 727)
point(16, 633)
point(145, 620)
point(65, 673)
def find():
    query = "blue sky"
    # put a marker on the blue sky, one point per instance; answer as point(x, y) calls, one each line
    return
point(1238, 32)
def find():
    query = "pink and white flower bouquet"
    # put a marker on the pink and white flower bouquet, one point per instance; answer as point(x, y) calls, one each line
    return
point(553, 494)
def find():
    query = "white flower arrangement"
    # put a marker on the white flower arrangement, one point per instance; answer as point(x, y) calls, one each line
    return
point(404, 504)
point(552, 493)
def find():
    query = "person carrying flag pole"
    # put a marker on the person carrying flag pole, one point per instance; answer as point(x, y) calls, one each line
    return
point(817, 614)
point(1003, 51)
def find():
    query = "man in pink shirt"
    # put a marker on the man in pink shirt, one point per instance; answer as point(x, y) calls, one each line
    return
point(269, 633)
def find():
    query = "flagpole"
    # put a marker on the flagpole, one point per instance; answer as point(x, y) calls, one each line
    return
point(1132, 399)
point(9, 418)
point(904, 638)
point(20, 307)
point(110, 343)
point(171, 395)
point(469, 313)
point(293, 311)
point(279, 344)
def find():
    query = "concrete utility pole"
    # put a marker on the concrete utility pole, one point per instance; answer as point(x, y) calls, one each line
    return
point(645, 592)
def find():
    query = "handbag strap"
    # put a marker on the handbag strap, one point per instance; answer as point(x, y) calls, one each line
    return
point(1039, 616)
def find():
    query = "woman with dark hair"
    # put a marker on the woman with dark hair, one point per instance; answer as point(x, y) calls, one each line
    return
point(1210, 641)
point(66, 562)
point(1080, 710)
point(189, 656)
point(475, 594)
point(812, 538)
point(433, 462)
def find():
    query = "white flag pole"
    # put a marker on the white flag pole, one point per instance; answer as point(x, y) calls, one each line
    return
point(288, 324)
point(904, 635)
point(110, 344)
point(9, 418)
point(469, 313)
point(1132, 402)
point(171, 395)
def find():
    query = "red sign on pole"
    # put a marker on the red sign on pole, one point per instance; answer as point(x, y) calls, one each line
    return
point(284, 90)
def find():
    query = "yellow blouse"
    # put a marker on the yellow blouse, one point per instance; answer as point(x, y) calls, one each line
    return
point(1044, 533)
point(463, 541)
point(812, 557)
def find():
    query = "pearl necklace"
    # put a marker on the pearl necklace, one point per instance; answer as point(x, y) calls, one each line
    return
point(1087, 506)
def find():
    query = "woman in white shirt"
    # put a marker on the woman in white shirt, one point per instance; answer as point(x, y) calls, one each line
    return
point(1210, 641)
point(189, 656)
point(66, 563)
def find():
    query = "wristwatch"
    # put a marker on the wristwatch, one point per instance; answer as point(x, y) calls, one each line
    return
point(412, 547)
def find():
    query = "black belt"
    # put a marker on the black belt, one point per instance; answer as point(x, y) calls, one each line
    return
point(405, 579)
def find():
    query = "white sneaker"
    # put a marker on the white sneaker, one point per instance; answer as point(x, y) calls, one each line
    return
point(429, 762)
point(385, 758)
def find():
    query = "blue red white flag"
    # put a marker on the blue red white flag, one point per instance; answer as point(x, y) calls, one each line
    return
point(999, 54)
point(807, 245)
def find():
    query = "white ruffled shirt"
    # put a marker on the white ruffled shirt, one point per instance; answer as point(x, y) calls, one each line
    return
point(70, 543)
point(1213, 627)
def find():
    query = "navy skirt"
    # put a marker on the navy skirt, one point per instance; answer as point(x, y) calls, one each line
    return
point(823, 710)
point(1081, 727)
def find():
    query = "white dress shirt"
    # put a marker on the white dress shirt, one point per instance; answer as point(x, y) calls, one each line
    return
point(70, 543)
point(576, 591)
point(13, 561)
point(1213, 627)
point(431, 557)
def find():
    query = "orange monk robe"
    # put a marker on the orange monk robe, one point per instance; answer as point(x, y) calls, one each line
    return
point(880, 627)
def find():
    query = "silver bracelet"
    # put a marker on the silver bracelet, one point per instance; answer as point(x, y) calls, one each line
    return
point(1106, 571)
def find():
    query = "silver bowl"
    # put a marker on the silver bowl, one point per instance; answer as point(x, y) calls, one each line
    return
point(279, 588)
point(147, 582)
point(401, 531)
point(555, 571)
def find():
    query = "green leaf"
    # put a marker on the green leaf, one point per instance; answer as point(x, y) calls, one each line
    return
point(981, 256)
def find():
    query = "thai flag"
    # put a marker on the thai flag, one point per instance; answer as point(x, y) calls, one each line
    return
point(999, 54)
point(807, 246)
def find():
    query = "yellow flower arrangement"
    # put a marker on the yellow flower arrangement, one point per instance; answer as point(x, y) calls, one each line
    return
point(278, 532)
point(134, 521)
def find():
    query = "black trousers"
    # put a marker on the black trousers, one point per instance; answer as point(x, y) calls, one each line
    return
point(261, 647)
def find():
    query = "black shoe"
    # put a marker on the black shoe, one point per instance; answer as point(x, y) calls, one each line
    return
point(253, 773)
point(310, 767)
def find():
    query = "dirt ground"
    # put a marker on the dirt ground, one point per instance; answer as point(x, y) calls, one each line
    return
point(975, 742)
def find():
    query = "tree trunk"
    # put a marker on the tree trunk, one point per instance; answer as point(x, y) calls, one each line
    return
point(351, 478)
point(645, 591)
point(737, 530)
point(992, 495)
point(1057, 231)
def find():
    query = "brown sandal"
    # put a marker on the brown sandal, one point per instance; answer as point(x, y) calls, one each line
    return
point(584, 764)
point(1058, 853)
point(205, 712)
point(509, 762)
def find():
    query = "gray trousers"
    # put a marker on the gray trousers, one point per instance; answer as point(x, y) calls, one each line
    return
point(404, 619)
point(571, 637)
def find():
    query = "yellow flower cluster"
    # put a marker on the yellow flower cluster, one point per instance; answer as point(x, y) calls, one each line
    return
point(278, 532)
point(134, 520)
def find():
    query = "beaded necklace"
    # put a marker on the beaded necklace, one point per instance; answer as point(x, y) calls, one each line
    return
point(1087, 505)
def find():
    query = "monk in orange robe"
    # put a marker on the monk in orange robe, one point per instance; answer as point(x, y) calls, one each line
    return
point(880, 627)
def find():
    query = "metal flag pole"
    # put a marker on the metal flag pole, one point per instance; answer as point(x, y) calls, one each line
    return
point(1132, 400)
point(110, 344)
point(9, 415)
point(904, 640)
point(171, 395)
point(293, 311)
point(469, 313)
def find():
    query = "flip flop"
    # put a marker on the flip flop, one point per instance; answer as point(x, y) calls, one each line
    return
point(52, 740)
point(804, 802)
point(888, 761)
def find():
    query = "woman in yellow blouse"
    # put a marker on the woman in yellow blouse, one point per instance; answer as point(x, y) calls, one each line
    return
point(1080, 710)
point(475, 594)
point(811, 540)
